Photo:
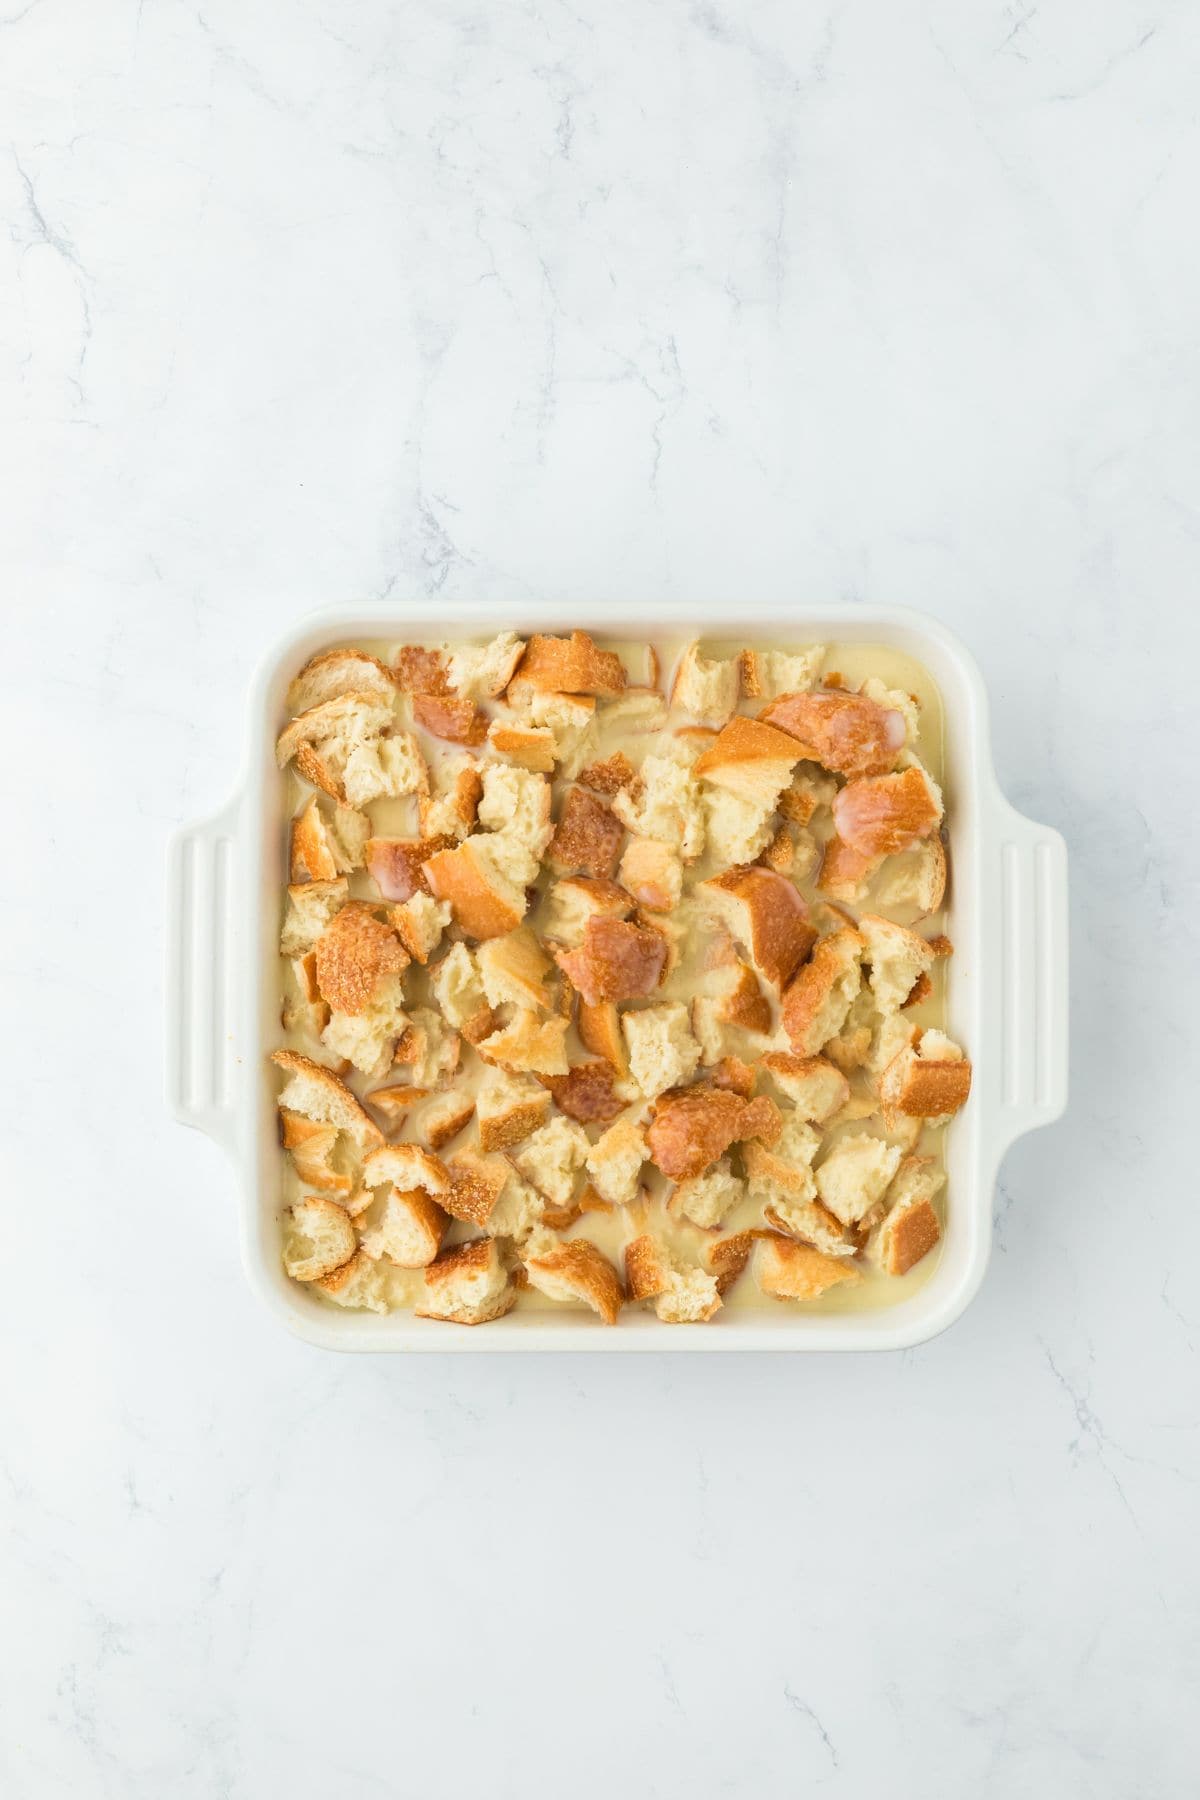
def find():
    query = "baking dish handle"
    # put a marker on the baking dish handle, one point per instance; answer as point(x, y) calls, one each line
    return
point(1031, 879)
point(202, 877)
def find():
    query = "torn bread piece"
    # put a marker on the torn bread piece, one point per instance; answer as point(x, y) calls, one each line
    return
point(396, 1101)
point(810, 791)
point(769, 672)
point(508, 1108)
point(750, 759)
point(419, 924)
point(909, 1228)
point(571, 718)
point(321, 1237)
point(317, 1093)
point(513, 970)
point(726, 1258)
point(855, 1174)
point(681, 1295)
point(635, 713)
point(326, 845)
point(587, 1092)
point(915, 878)
point(782, 1171)
point(406, 1166)
point(736, 830)
point(811, 1223)
point(617, 960)
point(457, 984)
point(819, 995)
point(664, 803)
point(705, 689)
point(361, 1283)
point(880, 815)
point(847, 733)
point(571, 665)
point(929, 1081)
point(587, 839)
point(429, 1049)
point(451, 809)
point(570, 903)
point(445, 1117)
point(355, 955)
point(368, 1038)
point(896, 959)
point(419, 670)
point(488, 899)
point(896, 700)
point(615, 1160)
point(311, 906)
point(312, 1145)
point(303, 1009)
point(693, 1126)
point(610, 775)
point(528, 1044)
point(409, 1230)
point(814, 1086)
point(552, 1157)
point(338, 672)
point(600, 1032)
point(768, 917)
point(468, 1285)
point(482, 672)
point(661, 1049)
point(454, 721)
point(531, 747)
point(488, 1192)
point(395, 864)
point(574, 1271)
point(788, 1270)
point(346, 747)
point(516, 804)
point(652, 873)
point(706, 1199)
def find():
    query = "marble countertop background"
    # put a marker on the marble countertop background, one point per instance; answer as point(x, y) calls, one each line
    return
point(306, 301)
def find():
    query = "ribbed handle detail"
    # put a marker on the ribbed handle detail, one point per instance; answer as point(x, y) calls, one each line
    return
point(1034, 1014)
point(201, 915)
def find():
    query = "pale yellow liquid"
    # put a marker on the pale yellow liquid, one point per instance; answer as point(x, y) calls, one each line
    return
point(611, 1231)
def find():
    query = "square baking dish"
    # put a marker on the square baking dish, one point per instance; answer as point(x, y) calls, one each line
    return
point(1006, 994)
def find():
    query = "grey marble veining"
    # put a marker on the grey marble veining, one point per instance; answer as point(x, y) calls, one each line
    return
point(315, 302)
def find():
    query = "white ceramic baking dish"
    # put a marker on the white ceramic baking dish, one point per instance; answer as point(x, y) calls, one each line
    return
point(1007, 993)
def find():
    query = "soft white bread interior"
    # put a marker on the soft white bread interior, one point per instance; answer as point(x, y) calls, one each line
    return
point(317, 1093)
point(820, 994)
point(484, 880)
point(481, 672)
point(815, 1087)
point(451, 809)
point(419, 923)
point(362, 1283)
point(509, 1108)
point(664, 803)
point(458, 989)
point(409, 1229)
point(320, 1237)
point(896, 958)
point(513, 970)
point(706, 1199)
point(751, 759)
point(311, 906)
point(552, 1157)
point(681, 1295)
point(661, 1048)
point(915, 878)
point(429, 1049)
point(516, 804)
point(467, 1285)
point(570, 903)
point(406, 1166)
point(338, 672)
point(855, 1174)
point(706, 689)
point(910, 1228)
point(614, 1161)
point(766, 673)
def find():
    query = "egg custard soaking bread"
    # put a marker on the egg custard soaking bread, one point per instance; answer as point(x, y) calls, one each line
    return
point(611, 979)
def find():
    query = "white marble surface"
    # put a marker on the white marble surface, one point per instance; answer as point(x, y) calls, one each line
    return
point(305, 301)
